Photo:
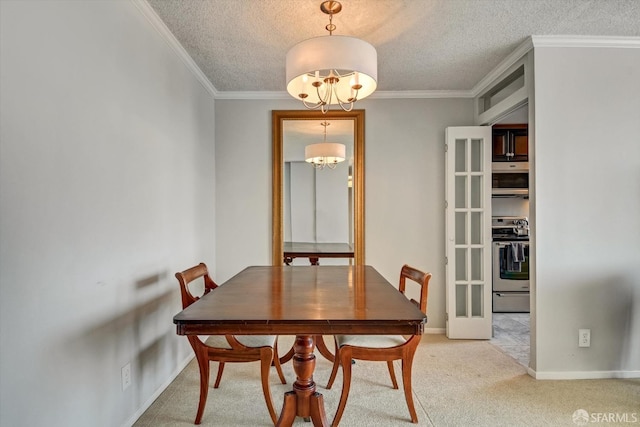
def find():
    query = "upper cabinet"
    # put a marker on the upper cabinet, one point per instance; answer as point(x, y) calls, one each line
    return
point(510, 143)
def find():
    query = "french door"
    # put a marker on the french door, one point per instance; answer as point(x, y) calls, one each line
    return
point(468, 232)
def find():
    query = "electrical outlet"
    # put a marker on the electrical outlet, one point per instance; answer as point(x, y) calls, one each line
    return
point(584, 337)
point(126, 376)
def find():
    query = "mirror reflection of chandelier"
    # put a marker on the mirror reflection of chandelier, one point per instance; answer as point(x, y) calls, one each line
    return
point(325, 154)
point(330, 70)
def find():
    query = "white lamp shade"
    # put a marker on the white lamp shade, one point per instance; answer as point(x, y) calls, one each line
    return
point(325, 152)
point(342, 54)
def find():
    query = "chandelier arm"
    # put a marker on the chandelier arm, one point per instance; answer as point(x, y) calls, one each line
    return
point(342, 104)
point(324, 102)
point(312, 106)
point(327, 96)
point(345, 109)
point(351, 100)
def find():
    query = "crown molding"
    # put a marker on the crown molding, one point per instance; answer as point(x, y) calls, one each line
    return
point(157, 23)
point(248, 95)
point(148, 12)
point(552, 41)
point(421, 94)
point(586, 41)
point(391, 94)
point(175, 45)
point(503, 66)
point(530, 43)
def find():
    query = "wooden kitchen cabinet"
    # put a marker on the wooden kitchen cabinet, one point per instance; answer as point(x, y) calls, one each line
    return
point(510, 143)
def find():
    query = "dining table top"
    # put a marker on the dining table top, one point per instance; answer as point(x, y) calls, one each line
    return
point(303, 300)
point(312, 248)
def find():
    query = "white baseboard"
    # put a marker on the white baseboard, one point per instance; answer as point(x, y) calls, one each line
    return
point(159, 391)
point(440, 331)
point(582, 375)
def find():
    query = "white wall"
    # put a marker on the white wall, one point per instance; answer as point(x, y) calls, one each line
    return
point(106, 189)
point(318, 203)
point(585, 210)
point(332, 204)
point(243, 183)
point(302, 203)
point(404, 181)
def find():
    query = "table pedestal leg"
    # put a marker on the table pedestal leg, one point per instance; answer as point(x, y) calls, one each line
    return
point(303, 401)
point(321, 346)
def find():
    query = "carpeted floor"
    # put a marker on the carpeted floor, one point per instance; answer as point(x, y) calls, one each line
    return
point(456, 383)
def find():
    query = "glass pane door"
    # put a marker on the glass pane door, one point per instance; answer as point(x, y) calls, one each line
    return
point(468, 232)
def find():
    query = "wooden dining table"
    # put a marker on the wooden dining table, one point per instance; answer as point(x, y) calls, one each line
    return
point(304, 301)
point(315, 251)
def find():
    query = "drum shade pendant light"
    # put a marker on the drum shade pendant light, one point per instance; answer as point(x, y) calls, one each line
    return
point(325, 154)
point(331, 70)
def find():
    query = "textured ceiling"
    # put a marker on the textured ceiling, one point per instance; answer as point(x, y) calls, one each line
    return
point(241, 45)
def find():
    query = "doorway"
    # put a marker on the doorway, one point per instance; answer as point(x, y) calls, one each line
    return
point(511, 331)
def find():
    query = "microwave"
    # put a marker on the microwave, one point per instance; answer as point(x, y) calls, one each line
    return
point(510, 179)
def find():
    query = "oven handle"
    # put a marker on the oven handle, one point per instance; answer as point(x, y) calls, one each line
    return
point(509, 294)
point(502, 260)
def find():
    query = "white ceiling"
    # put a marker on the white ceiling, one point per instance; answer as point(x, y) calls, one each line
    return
point(423, 45)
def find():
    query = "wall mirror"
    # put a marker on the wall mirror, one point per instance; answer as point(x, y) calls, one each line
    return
point(323, 207)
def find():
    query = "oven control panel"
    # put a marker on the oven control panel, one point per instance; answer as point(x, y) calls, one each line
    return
point(510, 228)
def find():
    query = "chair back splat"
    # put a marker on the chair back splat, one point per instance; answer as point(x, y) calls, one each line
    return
point(227, 348)
point(382, 348)
point(421, 279)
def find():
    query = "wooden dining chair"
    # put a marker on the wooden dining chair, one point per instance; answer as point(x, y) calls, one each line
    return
point(381, 348)
point(227, 348)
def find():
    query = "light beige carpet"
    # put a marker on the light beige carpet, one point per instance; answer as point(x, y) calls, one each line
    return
point(456, 383)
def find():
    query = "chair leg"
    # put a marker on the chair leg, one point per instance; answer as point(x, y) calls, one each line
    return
point(336, 364)
point(407, 363)
point(322, 348)
point(392, 373)
point(203, 364)
point(345, 361)
point(284, 359)
point(219, 376)
point(276, 362)
point(266, 357)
